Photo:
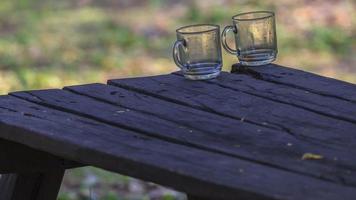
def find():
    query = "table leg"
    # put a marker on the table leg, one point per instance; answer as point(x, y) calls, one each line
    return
point(31, 186)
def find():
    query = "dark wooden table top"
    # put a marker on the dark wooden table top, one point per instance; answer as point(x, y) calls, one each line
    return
point(240, 136)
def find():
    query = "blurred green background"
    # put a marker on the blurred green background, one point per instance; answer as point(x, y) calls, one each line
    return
point(49, 44)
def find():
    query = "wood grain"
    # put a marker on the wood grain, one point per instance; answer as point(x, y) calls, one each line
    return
point(305, 125)
point(303, 99)
point(202, 130)
point(197, 172)
point(303, 80)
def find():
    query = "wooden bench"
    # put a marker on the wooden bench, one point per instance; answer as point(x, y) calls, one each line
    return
point(267, 132)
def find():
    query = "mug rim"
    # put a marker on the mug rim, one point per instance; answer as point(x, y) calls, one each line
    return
point(214, 27)
point(268, 14)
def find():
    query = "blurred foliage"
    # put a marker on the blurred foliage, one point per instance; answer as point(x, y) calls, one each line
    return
point(46, 44)
point(332, 40)
point(92, 183)
point(49, 44)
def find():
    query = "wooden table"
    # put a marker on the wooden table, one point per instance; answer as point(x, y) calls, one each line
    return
point(267, 133)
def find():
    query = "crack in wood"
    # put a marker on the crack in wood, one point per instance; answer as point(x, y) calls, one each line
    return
point(8, 109)
point(34, 96)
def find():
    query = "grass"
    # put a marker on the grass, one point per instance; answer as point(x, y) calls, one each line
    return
point(50, 44)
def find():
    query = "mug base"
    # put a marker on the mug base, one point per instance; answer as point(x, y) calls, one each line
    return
point(202, 76)
point(257, 57)
point(256, 63)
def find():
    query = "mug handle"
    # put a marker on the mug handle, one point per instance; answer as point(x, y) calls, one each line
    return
point(223, 41)
point(176, 56)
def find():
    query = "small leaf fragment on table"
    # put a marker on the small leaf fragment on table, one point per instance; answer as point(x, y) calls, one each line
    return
point(311, 156)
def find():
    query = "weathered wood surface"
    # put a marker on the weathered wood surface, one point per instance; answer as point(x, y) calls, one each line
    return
point(252, 82)
point(197, 128)
point(240, 136)
point(324, 105)
point(304, 80)
point(305, 125)
point(212, 132)
point(192, 170)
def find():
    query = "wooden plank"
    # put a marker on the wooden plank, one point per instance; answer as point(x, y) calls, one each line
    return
point(15, 157)
point(200, 129)
point(303, 124)
point(197, 172)
point(31, 186)
point(302, 80)
point(324, 105)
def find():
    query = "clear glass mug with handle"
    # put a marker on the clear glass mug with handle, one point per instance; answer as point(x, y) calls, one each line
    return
point(255, 38)
point(197, 51)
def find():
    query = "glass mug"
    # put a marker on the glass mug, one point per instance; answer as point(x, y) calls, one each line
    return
point(255, 38)
point(197, 51)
